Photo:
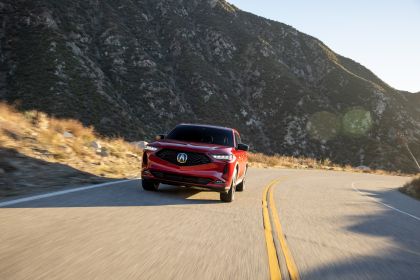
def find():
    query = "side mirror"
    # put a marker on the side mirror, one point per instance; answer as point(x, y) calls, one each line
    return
point(243, 147)
point(160, 137)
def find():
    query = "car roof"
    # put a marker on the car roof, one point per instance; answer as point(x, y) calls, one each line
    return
point(207, 125)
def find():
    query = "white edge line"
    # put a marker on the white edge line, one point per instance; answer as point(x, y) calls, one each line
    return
point(384, 204)
point(41, 196)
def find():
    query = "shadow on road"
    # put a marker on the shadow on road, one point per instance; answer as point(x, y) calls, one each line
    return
point(402, 230)
point(123, 195)
point(24, 175)
point(401, 259)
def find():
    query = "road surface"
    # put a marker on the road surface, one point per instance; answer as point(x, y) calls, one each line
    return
point(337, 225)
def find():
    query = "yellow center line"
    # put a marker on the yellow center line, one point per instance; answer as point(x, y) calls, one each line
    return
point(290, 263)
point(271, 248)
point(273, 261)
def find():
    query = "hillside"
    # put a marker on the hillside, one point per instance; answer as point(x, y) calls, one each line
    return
point(137, 68)
point(39, 153)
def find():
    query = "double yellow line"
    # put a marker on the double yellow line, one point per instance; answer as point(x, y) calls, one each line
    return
point(273, 260)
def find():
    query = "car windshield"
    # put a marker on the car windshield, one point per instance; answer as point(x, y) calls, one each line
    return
point(202, 134)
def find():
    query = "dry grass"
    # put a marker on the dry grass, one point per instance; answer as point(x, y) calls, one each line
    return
point(262, 160)
point(412, 188)
point(36, 135)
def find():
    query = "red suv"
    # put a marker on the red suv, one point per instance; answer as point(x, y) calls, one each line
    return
point(193, 155)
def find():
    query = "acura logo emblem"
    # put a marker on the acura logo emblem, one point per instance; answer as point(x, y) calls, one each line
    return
point(182, 158)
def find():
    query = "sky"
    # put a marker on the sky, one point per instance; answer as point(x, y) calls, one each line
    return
point(382, 35)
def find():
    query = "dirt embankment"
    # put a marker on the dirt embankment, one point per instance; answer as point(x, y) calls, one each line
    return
point(38, 153)
point(412, 188)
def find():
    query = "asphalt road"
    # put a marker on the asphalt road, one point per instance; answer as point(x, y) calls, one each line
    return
point(337, 225)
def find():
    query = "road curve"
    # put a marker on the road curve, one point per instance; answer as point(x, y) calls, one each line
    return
point(337, 225)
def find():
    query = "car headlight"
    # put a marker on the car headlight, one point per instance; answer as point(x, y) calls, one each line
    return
point(223, 157)
point(150, 148)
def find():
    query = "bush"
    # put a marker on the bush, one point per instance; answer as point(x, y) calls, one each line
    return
point(412, 188)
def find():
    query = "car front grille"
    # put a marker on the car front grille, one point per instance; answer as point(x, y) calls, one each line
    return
point(192, 158)
point(181, 178)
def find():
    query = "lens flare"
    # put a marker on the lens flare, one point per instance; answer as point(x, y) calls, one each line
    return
point(357, 122)
point(323, 126)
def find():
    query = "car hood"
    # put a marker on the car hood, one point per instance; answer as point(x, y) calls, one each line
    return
point(191, 146)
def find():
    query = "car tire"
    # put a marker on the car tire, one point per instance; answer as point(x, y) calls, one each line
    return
point(241, 186)
point(150, 185)
point(230, 195)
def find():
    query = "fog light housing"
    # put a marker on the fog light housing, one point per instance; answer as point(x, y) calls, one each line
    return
point(219, 182)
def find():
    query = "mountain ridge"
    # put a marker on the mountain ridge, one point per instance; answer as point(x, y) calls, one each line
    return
point(136, 68)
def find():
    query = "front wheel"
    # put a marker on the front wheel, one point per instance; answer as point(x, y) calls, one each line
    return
point(241, 186)
point(150, 185)
point(230, 195)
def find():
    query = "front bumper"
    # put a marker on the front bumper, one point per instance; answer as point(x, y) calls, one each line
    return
point(215, 175)
point(179, 178)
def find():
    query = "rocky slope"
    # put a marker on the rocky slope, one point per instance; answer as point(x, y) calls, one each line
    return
point(38, 153)
point(135, 68)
